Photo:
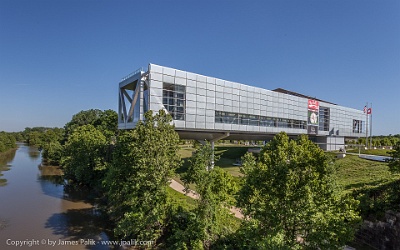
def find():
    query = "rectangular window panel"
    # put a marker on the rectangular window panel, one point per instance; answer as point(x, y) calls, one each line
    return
point(243, 119)
point(357, 126)
point(267, 121)
point(324, 117)
point(253, 120)
point(174, 97)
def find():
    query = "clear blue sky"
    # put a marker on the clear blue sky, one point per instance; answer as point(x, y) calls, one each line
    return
point(60, 57)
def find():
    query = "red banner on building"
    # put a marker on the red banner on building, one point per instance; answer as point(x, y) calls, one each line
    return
point(313, 117)
point(313, 105)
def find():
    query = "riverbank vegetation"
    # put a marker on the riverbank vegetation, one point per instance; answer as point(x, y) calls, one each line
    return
point(5, 157)
point(136, 182)
point(7, 142)
point(7, 152)
point(293, 195)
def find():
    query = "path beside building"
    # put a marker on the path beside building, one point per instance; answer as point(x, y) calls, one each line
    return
point(181, 189)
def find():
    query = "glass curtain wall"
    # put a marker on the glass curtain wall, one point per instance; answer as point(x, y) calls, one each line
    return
point(174, 97)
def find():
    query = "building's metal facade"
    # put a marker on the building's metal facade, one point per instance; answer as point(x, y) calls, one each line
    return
point(209, 108)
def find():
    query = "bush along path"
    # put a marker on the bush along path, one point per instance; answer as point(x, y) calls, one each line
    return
point(192, 194)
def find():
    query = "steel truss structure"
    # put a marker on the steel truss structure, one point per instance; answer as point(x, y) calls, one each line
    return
point(133, 99)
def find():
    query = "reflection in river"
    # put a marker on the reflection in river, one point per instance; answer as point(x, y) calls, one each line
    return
point(33, 153)
point(5, 158)
point(34, 205)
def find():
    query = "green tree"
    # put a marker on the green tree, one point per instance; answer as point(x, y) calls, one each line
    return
point(393, 140)
point(52, 153)
point(34, 138)
point(84, 117)
point(386, 141)
point(84, 159)
point(106, 121)
point(143, 163)
point(7, 141)
point(51, 144)
point(394, 163)
point(361, 141)
point(2, 146)
point(376, 142)
point(291, 198)
point(216, 189)
point(18, 136)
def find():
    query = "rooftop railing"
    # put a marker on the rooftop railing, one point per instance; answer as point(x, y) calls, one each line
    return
point(141, 69)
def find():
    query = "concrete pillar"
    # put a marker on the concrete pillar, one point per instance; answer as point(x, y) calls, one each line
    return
point(216, 138)
point(212, 155)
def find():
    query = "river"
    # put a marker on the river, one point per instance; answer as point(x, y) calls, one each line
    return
point(37, 212)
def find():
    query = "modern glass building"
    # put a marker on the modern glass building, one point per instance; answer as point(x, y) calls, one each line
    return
point(208, 108)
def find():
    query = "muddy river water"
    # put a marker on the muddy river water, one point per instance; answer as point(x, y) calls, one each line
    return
point(37, 213)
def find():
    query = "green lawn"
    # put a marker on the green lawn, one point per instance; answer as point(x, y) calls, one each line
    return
point(181, 199)
point(228, 156)
point(231, 152)
point(354, 172)
point(186, 152)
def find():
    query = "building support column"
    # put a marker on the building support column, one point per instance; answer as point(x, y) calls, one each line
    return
point(212, 155)
point(212, 142)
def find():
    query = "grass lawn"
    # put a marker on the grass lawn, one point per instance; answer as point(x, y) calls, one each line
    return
point(185, 153)
point(181, 199)
point(228, 156)
point(354, 172)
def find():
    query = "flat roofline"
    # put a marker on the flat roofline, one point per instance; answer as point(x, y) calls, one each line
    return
point(288, 92)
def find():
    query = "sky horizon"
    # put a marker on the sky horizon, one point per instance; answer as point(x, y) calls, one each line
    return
point(60, 57)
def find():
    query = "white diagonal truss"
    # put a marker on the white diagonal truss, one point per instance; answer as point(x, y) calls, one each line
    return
point(133, 99)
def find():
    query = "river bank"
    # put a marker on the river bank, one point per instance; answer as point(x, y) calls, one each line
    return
point(39, 207)
point(5, 158)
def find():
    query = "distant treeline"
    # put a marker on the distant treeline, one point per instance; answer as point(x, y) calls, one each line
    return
point(378, 141)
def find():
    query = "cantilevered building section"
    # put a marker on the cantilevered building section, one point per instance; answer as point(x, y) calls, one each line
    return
point(207, 108)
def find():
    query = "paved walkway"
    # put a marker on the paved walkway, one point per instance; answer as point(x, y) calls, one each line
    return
point(181, 189)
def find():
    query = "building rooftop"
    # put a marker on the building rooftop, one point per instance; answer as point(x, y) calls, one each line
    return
point(284, 91)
